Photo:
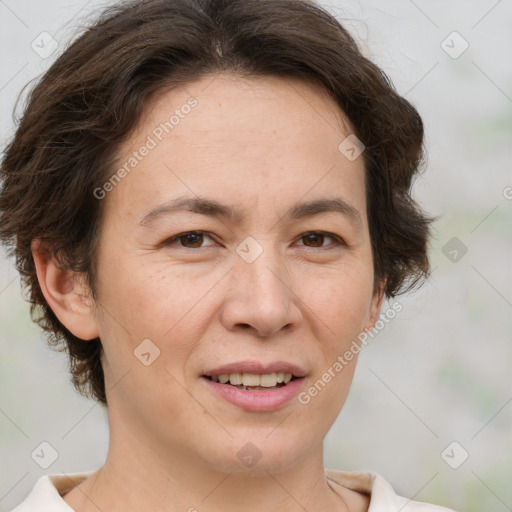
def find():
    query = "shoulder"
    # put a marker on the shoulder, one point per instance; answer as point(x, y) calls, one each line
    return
point(381, 493)
point(46, 495)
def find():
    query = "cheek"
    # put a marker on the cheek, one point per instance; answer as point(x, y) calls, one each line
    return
point(341, 300)
point(142, 299)
point(161, 304)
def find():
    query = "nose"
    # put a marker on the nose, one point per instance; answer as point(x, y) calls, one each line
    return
point(261, 297)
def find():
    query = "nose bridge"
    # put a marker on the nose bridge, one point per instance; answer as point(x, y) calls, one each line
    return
point(263, 297)
point(260, 267)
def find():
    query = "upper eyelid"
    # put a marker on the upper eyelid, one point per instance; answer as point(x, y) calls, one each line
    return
point(340, 240)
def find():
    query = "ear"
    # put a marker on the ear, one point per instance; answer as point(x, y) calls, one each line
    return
point(66, 293)
point(375, 307)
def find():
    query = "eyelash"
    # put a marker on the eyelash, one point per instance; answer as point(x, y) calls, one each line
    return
point(337, 240)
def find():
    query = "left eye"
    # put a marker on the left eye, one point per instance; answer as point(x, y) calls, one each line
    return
point(194, 239)
point(318, 237)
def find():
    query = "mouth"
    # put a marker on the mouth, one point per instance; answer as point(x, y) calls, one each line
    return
point(256, 387)
point(254, 381)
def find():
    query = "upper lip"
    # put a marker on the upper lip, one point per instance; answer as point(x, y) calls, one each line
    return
point(256, 367)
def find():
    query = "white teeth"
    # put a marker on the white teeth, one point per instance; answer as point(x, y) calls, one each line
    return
point(250, 379)
point(235, 379)
point(267, 380)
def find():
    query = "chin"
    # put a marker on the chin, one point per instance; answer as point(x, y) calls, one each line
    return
point(256, 453)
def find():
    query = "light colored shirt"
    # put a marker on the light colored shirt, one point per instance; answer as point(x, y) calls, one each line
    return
point(46, 495)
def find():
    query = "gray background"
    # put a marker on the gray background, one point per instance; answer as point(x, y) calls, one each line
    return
point(437, 374)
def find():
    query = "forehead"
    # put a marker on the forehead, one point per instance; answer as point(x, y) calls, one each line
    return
point(241, 139)
point(232, 110)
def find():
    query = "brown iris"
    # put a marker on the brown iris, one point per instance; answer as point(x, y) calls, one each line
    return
point(315, 236)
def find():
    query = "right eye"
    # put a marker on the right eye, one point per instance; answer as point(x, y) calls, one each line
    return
point(188, 240)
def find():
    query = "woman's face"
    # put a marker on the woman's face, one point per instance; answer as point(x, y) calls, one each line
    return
point(261, 288)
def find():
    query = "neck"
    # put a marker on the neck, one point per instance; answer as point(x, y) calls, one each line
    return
point(136, 476)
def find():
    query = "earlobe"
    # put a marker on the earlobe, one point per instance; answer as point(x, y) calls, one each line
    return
point(376, 306)
point(66, 293)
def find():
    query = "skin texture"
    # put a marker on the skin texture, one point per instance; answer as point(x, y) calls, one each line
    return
point(259, 145)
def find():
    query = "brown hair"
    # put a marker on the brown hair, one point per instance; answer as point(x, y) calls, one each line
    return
point(92, 97)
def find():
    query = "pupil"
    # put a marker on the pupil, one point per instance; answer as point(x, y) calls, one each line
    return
point(312, 236)
point(191, 236)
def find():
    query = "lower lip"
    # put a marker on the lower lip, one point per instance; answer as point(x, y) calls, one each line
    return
point(259, 400)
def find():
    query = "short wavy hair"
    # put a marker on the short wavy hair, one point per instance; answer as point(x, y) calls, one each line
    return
point(91, 98)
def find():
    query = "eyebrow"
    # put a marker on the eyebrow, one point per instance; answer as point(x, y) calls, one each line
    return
point(213, 208)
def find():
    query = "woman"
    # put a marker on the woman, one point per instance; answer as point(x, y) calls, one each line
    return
point(209, 201)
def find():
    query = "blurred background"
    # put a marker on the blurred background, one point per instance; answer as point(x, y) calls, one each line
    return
point(431, 404)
